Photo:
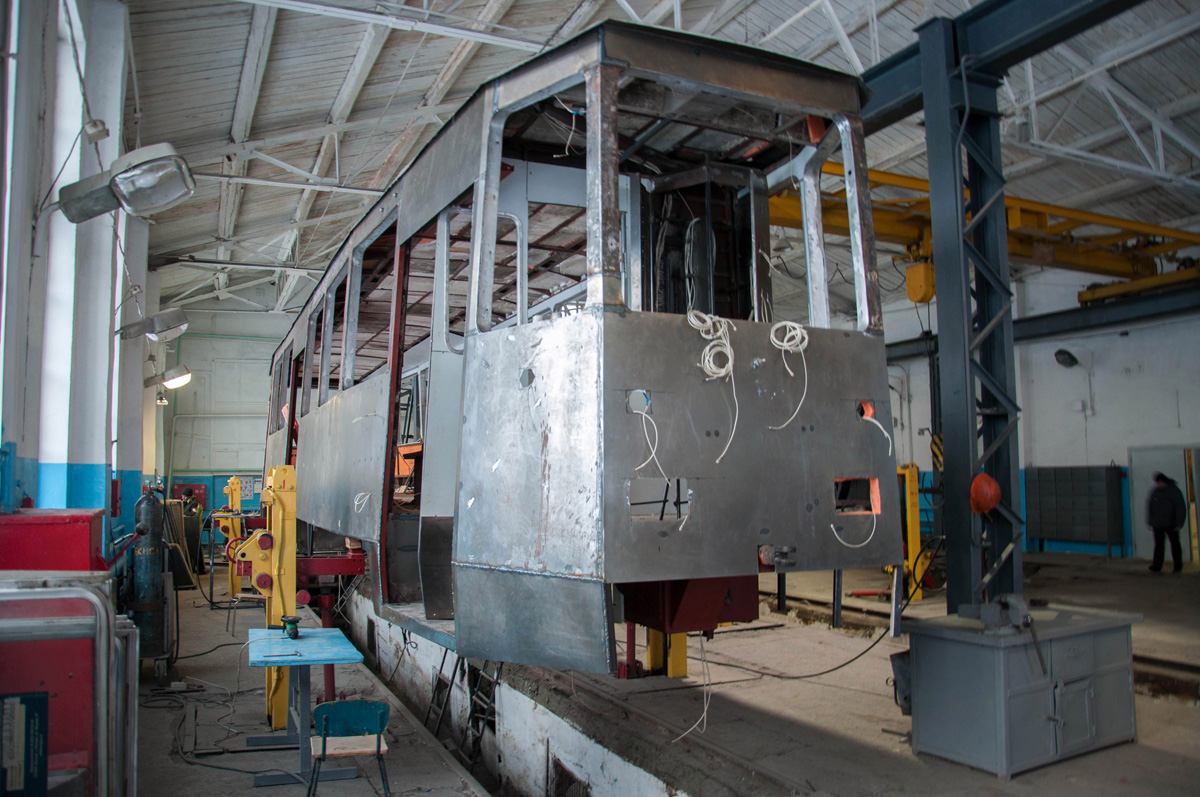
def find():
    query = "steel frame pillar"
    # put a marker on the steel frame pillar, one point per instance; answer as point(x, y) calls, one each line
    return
point(975, 337)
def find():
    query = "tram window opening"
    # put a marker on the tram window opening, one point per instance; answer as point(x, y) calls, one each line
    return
point(373, 328)
point(313, 373)
point(333, 373)
point(556, 260)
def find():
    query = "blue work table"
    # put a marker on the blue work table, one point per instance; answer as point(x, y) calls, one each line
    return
point(315, 646)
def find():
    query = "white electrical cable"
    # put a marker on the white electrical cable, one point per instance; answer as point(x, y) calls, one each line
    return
point(701, 723)
point(870, 419)
point(653, 446)
point(863, 544)
point(795, 339)
point(716, 360)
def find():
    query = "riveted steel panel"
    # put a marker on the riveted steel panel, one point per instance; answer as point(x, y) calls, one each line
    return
point(340, 486)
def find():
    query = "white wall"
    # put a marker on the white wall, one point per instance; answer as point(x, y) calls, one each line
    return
point(1145, 381)
point(218, 422)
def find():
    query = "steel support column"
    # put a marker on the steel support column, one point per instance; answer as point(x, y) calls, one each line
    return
point(977, 392)
point(603, 212)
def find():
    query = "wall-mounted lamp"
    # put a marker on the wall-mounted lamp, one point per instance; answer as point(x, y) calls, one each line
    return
point(142, 182)
point(171, 378)
point(159, 328)
point(1065, 358)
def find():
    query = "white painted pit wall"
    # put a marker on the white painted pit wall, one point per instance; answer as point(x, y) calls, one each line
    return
point(526, 732)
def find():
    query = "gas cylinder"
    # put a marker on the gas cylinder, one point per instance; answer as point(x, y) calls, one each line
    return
point(148, 600)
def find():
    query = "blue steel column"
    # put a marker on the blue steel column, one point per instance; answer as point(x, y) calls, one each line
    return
point(974, 315)
point(92, 351)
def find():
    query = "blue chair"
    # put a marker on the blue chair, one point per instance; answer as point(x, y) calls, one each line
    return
point(348, 728)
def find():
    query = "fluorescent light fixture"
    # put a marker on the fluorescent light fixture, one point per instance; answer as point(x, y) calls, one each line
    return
point(159, 328)
point(171, 378)
point(146, 181)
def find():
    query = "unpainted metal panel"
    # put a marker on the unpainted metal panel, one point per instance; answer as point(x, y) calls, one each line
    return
point(720, 67)
point(530, 468)
point(341, 460)
point(562, 623)
point(543, 492)
point(276, 453)
point(772, 487)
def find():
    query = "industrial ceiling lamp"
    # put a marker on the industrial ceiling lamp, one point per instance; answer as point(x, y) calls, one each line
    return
point(171, 378)
point(142, 182)
point(159, 328)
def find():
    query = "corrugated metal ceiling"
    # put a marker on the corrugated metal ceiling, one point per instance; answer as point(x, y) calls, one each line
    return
point(191, 62)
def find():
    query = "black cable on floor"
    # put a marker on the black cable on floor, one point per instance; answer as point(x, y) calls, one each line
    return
point(205, 653)
point(847, 662)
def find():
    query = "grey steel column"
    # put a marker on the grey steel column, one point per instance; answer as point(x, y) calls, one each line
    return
point(972, 315)
point(992, 345)
point(603, 209)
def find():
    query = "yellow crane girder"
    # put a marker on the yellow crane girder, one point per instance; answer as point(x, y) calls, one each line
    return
point(1038, 232)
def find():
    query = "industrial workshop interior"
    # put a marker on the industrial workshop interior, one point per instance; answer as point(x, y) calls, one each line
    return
point(600, 397)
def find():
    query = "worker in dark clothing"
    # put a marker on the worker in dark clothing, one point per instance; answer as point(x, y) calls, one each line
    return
point(191, 505)
point(1165, 514)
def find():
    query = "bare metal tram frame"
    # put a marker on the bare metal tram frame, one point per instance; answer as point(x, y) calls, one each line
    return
point(517, 303)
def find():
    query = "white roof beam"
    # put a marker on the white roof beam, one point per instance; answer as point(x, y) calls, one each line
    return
point(401, 23)
point(398, 153)
point(1103, 137)
point(721, 15)
point(207, 243)
point(1131, 50)
point(268, 182)
point(369, 48)
point(254, 63)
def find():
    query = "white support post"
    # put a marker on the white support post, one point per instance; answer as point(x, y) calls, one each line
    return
point(30, 72)
point(129, 395)
point(89, 467)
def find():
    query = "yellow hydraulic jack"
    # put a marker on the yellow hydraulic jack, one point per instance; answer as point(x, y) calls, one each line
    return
point(272, 557)
point(666, 653)
point(231, 529)
point(916, 559)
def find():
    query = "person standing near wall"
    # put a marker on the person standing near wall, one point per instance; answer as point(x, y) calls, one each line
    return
point(1165, 515)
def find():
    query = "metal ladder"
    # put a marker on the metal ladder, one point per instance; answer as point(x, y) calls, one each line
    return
point(443, 685)
point(482, 711)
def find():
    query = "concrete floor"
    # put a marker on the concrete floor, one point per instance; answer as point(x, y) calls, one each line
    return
point(416, 762)
point(838, 734)
point(841, 734)
point(1169, 603)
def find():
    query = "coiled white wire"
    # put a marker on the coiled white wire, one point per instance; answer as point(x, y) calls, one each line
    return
point(716, 360)
point(863, 544)
point(794, 339)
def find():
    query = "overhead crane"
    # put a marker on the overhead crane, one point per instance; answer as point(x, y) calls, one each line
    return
point(1038, 232)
